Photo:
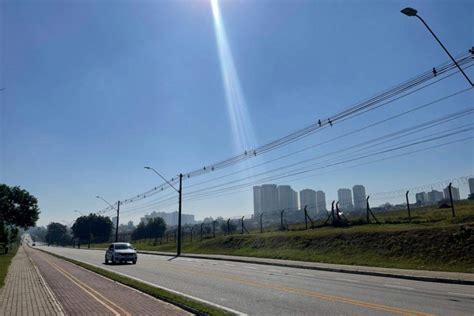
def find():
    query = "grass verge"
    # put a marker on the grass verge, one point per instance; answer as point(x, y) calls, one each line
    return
point(185, 303)
point(5, 261)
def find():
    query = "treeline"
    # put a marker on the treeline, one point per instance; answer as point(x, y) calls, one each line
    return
point(153, 229)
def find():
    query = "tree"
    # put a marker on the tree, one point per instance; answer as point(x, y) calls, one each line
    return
point(57, 234)
point(139, 232)
point(155, 228)
point(92, 227)
point(470, 196)
point(17, 207)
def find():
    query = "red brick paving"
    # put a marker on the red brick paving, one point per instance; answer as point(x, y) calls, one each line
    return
point(75, 287)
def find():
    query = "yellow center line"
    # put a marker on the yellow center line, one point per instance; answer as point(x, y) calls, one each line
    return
point(96, 295)
point(309, 293)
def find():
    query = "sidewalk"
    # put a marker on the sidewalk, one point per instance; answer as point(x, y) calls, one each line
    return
point(419, 275)
point(25, 292)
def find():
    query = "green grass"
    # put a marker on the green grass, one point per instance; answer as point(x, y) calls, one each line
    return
point(433, 240)
point(191, 305)
point(5, 261)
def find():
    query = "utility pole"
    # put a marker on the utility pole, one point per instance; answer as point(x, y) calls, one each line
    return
point(117, 222)
point(408, 206)
point(180, 191)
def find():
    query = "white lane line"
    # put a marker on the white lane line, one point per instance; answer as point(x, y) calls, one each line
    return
point(461, 294)
point(304, 274)
point(398, 287)
point(229, 265)
point(347, 280)
point(249, 267)
point(277, 271)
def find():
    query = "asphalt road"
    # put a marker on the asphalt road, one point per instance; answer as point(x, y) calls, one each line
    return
point(265, 290)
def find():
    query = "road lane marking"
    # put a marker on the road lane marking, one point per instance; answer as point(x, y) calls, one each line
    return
point(462, 294)
point(347, 280)
point(304, 274)
point(230, 265)
point(398, 287)
point(277, 271)
point(249, 267)
point(322, 296)
point(96, 295)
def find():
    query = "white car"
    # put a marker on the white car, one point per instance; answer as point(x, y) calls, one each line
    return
point(121, 252)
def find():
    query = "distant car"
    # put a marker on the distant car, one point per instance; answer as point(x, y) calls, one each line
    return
point(121, 252)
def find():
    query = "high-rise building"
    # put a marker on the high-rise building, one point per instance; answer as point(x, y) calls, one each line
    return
point(308, 198)
point(269, 198)
point(287, 198)
point(421, 198)
point(471, 185)
point(321, 202)
point(454, 192)
point(257, 200)
point(295, 200)
point(345, 199)
point(359, 197)
point(435, 196)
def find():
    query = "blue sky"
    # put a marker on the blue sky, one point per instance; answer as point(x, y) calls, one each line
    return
point(95, 90)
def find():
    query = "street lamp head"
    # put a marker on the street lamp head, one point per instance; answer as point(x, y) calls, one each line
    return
point(409, 11)
point(97, 197)
point(147, 167)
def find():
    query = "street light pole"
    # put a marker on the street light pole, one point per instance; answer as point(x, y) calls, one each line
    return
point(118, 214)
point(180, 194)
point(413, 12)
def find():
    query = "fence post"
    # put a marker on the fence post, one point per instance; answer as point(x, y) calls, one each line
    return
point(332, 211)
point(368, 208)
point(281, 219)
point(242, 232)
point(408, 206)
point(306, 216)
point(261, 223)
point(337, 211)
point(201, 230)
point(214, 228)
point(451, 199)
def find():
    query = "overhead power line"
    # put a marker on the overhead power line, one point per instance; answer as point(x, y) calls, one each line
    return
point(442, 73)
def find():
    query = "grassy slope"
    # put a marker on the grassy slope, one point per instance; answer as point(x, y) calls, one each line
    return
point(5, 261)
point(433, 241)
